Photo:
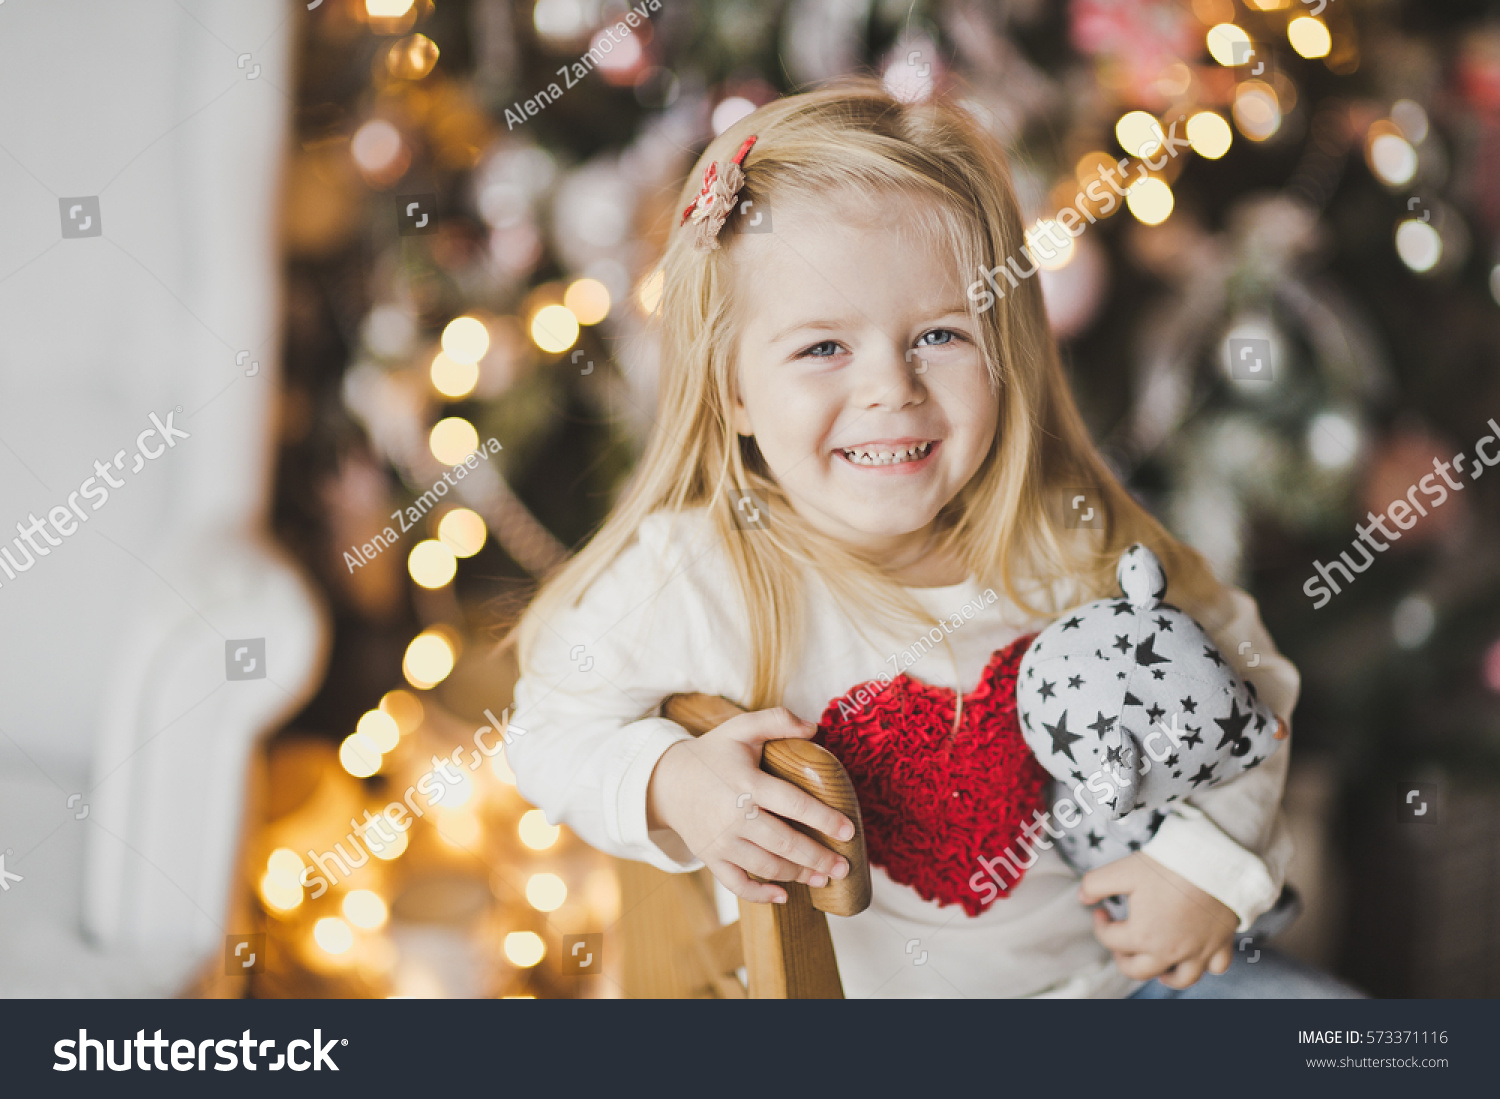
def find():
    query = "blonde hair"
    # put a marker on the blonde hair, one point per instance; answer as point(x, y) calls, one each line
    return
point(855, 135)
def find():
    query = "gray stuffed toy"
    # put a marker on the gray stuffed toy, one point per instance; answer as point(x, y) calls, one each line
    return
point(1130, 706)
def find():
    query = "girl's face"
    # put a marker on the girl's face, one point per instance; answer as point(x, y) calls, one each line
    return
point(859, 376)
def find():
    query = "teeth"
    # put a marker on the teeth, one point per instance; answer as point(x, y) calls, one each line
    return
point(871, 457)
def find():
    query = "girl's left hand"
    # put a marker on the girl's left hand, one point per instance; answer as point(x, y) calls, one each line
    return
point(1174, 931)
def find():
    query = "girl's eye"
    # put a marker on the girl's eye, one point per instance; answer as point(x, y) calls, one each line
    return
point(825, 350)
point(938, 337)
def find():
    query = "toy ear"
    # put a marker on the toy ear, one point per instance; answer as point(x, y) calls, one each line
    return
point(1141, 577)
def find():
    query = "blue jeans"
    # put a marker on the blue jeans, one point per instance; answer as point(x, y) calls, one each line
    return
point(1260, 974)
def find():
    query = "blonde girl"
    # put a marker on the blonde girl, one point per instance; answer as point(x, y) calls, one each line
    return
point(849, 452)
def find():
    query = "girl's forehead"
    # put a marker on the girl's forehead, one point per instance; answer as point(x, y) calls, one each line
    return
point(817, 230)
point(820, 261)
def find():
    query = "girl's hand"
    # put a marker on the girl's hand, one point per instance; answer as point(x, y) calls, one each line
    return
point(1175, 930)
point(713, 794)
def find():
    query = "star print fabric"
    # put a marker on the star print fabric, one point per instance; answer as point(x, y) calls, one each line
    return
point(1130, 706)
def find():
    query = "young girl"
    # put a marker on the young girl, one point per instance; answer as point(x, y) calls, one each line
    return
point(855, 453)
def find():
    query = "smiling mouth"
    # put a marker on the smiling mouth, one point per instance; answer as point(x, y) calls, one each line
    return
point(876, 455)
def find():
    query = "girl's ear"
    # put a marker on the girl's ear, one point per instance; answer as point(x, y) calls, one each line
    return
point(739, 418)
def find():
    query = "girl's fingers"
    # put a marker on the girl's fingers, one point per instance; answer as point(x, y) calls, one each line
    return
point(786, 800)
point(760, 862)
point(1118, 935)
point(740, 884)
point(784, 841)
point(1115, 878)
point(1220, 961)
point(759, 726)
point(1138, 967)
point(1183, 974)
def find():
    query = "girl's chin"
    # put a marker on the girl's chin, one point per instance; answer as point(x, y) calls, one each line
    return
point(881, 532)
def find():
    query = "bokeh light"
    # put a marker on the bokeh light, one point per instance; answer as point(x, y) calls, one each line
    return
point(412, 58)
point(1418, 244)
point(1413, 621)
point(380, 729)
point(463, 532)
point(588, 300)
point(546, 892)
point(404, 707)
point(364, 908)
point(730, 110)
point(554, 328)
point(1257, 111)
point(281, 885)
point(465, 339)
point(1333, 439)
point(451, 378)
point(1150, 200)
point(1228, 45)
point(452, 440)
point(1139, 134)
point(535, 832)
point(525, 948)
point(359, 756)
point(280, 895)
point(1392, 159)
point(431, 563)
point(1209, 134)
point(1309, 37)
point(429, 660)
point(376, 146)
point(333, 935)
point(1411, 119)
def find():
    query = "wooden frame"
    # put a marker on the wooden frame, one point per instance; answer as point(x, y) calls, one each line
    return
point(674, 943)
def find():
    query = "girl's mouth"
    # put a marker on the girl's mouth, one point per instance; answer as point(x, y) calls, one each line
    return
point(876, 455)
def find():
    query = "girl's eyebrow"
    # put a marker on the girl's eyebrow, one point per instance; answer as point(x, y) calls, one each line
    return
point(816, 325)
point(937, 312)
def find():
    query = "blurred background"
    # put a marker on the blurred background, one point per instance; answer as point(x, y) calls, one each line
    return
point(468, 236)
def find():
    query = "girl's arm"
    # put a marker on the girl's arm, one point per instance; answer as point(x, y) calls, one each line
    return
point(587, 747)
point(584, 735)
point(1230, 841)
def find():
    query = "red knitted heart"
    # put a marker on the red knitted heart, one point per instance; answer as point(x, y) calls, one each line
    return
point(934, 801)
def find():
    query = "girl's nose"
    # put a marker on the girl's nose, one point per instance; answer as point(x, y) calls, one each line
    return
point(890, 380)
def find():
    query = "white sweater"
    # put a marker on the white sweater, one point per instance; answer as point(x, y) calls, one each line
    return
point(667, 617)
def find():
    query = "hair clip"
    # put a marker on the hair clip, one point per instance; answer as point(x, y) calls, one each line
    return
point(714, 202)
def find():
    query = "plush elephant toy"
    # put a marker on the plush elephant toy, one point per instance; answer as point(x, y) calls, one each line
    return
point(1130, 706)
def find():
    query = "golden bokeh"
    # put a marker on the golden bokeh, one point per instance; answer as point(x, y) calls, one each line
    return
point(554, 328)
point(404, 707)
point(431, 563)
point(588, 299)
point(465, 339)
point(453, 379)
point(525, 948)
point(463, 531)
point(452, 440)
point(429, 660)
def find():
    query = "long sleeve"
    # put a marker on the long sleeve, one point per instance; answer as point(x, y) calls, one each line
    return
point(584, 736)
point(1230, 841)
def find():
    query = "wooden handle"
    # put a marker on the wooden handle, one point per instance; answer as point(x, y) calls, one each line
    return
point(811, 768)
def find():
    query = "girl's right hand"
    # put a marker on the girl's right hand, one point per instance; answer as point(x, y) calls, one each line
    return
point(713, 794)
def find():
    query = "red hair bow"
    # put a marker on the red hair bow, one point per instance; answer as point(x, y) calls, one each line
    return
point(717, 198)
